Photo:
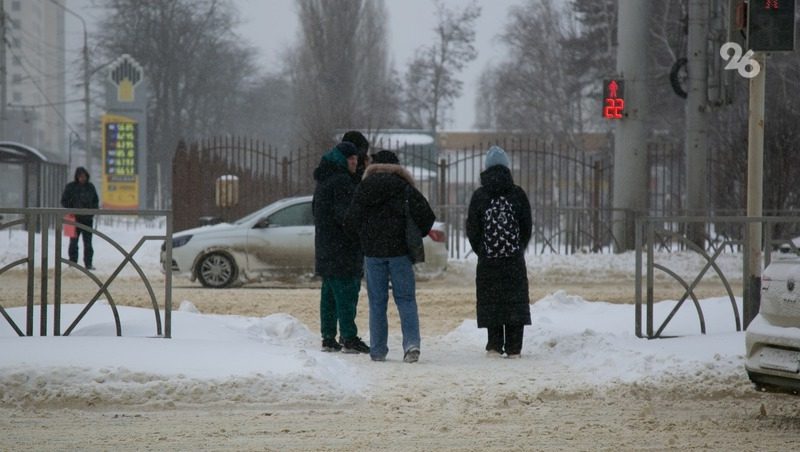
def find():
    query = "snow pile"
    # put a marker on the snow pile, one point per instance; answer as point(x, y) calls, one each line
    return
point(573, 345)
point(209, 359)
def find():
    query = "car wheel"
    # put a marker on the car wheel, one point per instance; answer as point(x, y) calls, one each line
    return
point(216, 270)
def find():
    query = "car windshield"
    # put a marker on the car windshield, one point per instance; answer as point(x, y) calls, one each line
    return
point(249, 217)
point(296, 215)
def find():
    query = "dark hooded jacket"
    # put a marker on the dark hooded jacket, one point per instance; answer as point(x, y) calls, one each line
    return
point(501, 283)
point(80, 196)
point(337, 254)
point(377, 215)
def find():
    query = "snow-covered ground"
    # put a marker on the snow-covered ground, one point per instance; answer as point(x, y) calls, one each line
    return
point(274, 359)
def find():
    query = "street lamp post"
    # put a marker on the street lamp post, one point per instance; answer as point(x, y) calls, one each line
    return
point(86, 77)
point(71, 142)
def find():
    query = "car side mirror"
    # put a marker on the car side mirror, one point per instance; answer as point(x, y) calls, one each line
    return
point(262, 224)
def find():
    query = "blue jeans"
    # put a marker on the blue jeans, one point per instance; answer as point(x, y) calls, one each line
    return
point(379, 270)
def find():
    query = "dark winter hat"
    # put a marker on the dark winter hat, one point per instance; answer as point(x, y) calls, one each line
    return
point(347, 149)
point(81, 170)
point(385, 157)
point(358, 139)
point(496, 156)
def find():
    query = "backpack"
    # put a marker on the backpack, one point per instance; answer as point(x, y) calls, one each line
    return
point(500, 229)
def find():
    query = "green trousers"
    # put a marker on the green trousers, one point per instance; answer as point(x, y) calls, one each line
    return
point(338, 302)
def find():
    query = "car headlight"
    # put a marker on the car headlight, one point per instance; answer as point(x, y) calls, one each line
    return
point(180, 241)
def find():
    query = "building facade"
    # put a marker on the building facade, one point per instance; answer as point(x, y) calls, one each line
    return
point(36, 76)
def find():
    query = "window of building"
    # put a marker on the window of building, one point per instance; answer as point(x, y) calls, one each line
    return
point(17, 96)
point(16, 5)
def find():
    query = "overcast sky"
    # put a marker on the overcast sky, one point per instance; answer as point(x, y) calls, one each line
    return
point(271, 26)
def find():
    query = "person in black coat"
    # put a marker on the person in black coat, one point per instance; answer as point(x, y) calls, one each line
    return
point(378, 217)
point(499, 227)
point(81, 194)
point(338, 257)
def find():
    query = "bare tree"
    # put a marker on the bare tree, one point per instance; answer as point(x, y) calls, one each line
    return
point(485, 103)
point(534, 90)
point(264, 109)
point(431, 79)
point(729, 141)
point(194, 62)
point(340, 69)
point(592, 55)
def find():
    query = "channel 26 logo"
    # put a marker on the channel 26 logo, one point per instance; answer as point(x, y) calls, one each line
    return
point(745, 65)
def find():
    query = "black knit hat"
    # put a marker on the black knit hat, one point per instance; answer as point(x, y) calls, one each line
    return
point(347, 149)
point(358, 139)
point(385, 157)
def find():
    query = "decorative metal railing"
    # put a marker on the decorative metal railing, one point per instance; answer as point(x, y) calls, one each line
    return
point(35, 220)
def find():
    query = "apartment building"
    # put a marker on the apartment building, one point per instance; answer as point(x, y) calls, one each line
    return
point(36, 76)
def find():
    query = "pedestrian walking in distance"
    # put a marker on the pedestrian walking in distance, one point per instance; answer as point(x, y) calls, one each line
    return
point(81, 194)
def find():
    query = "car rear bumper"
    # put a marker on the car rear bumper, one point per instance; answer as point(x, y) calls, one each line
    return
point(773, 354)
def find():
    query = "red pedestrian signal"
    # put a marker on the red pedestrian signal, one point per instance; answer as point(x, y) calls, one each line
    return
point(613, 99)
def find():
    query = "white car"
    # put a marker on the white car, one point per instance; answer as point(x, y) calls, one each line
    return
point(277, 240)
point(773, 337)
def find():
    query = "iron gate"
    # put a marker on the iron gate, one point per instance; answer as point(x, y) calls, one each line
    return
point(569, 187)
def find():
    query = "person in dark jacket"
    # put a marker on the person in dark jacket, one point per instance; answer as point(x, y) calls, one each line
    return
point(81, 194)
point(377, 216)
point(338, 257)
point(499, 227)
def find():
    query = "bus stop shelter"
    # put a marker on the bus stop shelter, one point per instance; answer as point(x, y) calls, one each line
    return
point(28, 179)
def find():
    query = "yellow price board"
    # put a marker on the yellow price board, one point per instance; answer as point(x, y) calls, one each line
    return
point(120, 174)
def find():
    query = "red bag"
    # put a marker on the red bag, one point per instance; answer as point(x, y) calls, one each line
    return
point(69, 229)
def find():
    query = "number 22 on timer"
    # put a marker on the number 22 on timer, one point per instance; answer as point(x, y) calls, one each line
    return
point(613, 108)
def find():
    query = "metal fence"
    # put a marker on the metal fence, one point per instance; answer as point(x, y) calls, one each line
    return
point(227, 178)
point(569, 188)
point(652, 236)
point(28, 219)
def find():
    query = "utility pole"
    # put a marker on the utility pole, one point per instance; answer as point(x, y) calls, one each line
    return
point(3, 72)
point(86, 87)
point(696, 145)
point(755, 188)
point(630, 143)
point(87, 118)
point(770, 28)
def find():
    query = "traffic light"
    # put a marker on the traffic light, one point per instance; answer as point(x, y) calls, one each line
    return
point(770, 25)
point(613, 99)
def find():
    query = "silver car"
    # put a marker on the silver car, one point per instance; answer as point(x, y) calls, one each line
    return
point(276, 241)
point(773, 337)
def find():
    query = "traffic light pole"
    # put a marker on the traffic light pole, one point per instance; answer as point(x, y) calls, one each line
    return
point(630, 136)
point(755, 185)
point(696, 144)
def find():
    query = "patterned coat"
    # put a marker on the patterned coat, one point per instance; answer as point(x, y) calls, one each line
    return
point(501, 282)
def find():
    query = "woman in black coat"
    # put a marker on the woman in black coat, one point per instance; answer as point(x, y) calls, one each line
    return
point(499, 228)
